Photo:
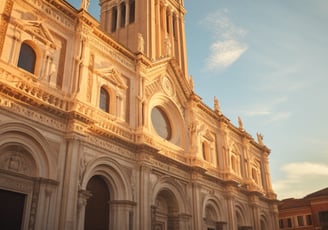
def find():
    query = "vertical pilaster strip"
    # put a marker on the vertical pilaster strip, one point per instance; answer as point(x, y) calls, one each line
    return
point(4, 21)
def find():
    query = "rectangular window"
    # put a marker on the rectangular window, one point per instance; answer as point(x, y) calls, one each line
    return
point(308, 219)
point(289, 223)
point(300, 221)
point(323, 218)
point(281, 223)
point(132, 11)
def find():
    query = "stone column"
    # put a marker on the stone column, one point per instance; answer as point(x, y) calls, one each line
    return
point(120, 214)
point(231, 210)
point(70, 185)
point(118, 19)
point(84, 195)
point(158, 28)
point(145, 211)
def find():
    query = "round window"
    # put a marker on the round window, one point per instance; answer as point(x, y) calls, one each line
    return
point(161, 123)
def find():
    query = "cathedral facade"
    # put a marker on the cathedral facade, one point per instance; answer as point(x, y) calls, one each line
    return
point(100, 127)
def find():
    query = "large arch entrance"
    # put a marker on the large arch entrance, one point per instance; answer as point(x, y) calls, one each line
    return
point(97, 208)
point(165, 212)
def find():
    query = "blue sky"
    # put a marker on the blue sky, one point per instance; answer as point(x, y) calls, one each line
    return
point(266, 61)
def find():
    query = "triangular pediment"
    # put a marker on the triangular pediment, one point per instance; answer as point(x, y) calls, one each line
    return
point(112, 75)
point(37, 29)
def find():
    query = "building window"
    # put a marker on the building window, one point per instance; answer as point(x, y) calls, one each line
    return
point(281, 223)
point(308, 220)
point(289, 223)
point(132, 11)
point(123, 16)
point(254, 175)
point(235, 163)
point(206, 151)
point(161, 123)
point(27, 58)
point(300, 221)
point(114, 18)
point(104, 100)
point(323, 218)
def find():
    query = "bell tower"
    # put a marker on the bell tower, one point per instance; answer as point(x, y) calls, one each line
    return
point(152, 27)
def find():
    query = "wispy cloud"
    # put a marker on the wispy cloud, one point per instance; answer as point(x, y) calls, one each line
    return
point(228, 45)
point(268, 110)
point(301, 179)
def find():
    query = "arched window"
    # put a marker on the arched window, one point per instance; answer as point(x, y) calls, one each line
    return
point(235, 162)
point(114, 18)
point(27, 58)
point(132, 9)
point(97, 208)
point(104, 100)
point(254, 175)
point(206, 151)
point(123, 12)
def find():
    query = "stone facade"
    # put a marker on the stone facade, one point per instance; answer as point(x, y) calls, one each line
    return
point(100, 125)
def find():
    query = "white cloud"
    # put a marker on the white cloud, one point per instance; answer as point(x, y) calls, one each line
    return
point(228, 45)
point(299, 170)
point(301, 179)
point(224, 53)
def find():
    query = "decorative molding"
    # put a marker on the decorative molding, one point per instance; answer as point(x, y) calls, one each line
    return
point(4, 19)
point(112, 75)
point(60, 15)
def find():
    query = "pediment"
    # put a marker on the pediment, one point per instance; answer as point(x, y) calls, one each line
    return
point(208, 136)
point(112, 75)
point(37, 29)
point(166, 75)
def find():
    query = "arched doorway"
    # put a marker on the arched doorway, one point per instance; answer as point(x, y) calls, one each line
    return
point(97, 208)
point(165, 212)
point(212, 217)
point(263, 223)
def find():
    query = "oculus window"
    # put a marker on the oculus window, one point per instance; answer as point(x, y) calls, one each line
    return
point(161, 123)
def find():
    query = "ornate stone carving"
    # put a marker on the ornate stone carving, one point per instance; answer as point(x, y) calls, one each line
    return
point(167, 86)
point(4, 22)
point(17, 160)
point(53, 13)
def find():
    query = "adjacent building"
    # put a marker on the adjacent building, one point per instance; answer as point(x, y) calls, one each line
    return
point(100, 127)
point(308, 213)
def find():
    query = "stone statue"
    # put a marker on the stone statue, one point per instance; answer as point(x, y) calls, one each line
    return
point(259, 138)
point(141, 43)
point(85, 4)
point(216, 105)
point(168, 46)
point(240, 123)
point(191, 82)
